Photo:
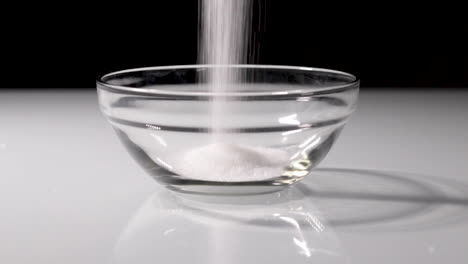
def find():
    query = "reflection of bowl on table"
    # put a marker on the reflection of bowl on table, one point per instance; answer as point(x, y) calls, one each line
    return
point(278, 227)
point(270, 131)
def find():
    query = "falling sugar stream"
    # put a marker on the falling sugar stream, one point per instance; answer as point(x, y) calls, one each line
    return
point(225, 29)
point(224, 33)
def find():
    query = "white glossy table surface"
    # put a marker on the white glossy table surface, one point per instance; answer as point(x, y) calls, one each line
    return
point(393, 189)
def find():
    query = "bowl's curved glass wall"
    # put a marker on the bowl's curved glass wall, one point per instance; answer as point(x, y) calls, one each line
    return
point(293, 114)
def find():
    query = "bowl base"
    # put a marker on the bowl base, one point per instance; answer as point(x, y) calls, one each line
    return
point(226, 188)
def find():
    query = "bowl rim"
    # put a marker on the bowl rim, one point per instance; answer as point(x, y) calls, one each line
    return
point(353, 83)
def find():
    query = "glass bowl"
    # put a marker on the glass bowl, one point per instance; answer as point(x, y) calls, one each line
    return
point(258, 135)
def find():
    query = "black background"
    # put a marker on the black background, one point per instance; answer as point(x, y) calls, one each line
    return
point(67, 45)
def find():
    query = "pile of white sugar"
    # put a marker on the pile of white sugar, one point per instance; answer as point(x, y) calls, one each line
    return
point(232, 163)
point(225, 30)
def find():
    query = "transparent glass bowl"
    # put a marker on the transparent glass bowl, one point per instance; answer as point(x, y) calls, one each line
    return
point(265, 133)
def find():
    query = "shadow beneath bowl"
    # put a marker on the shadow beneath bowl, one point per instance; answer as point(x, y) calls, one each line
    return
point(371, 199)
point(299, 224)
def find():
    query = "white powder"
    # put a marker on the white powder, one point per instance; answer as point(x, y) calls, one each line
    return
point(232, 163)
point(224, 35)
point(225, 29)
